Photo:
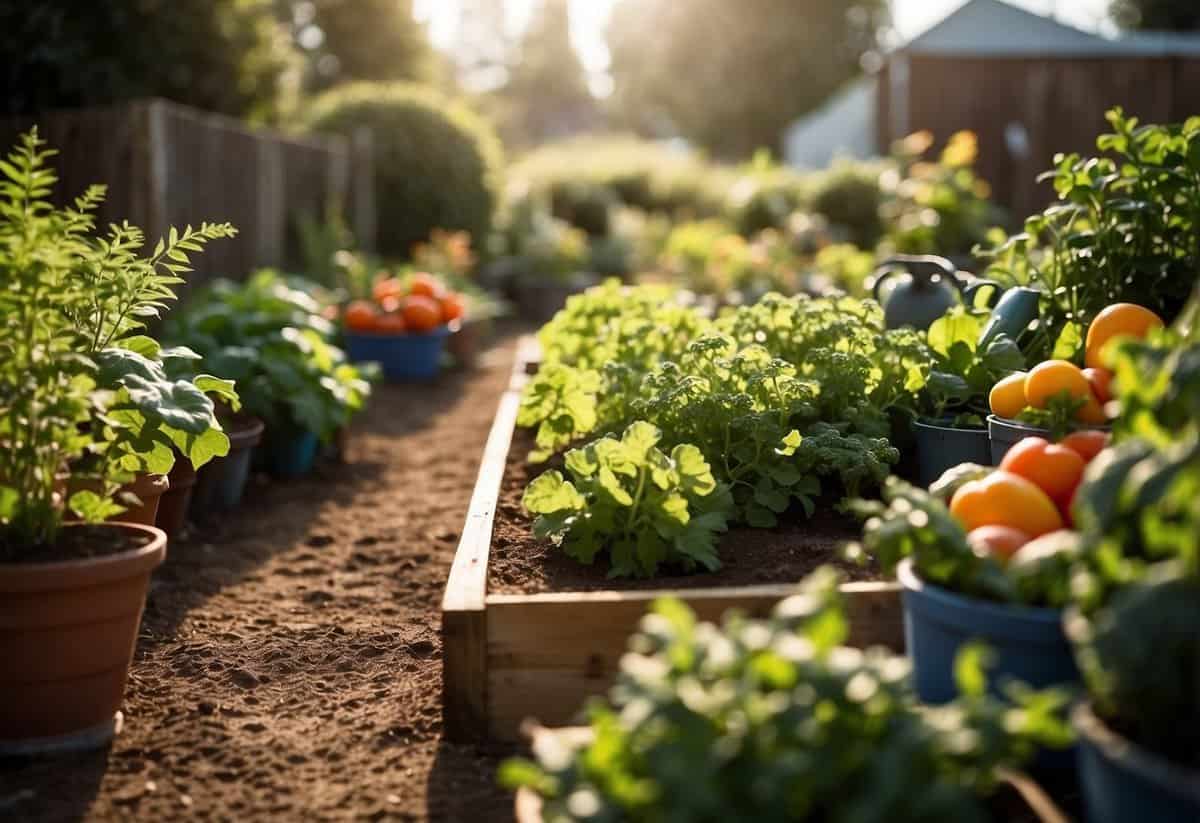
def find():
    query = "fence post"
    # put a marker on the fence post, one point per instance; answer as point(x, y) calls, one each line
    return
point(362, 189)
point(270, 194)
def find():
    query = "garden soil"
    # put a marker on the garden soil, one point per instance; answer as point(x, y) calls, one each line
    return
point(289, 663)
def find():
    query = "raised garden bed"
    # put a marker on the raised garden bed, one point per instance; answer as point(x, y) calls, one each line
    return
point(528, 637)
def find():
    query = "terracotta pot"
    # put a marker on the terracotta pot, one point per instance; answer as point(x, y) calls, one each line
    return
point(173, 506)
point(149, 489)
point(67, 634)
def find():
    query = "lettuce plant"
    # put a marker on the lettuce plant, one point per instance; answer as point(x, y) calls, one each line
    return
point(82, 388)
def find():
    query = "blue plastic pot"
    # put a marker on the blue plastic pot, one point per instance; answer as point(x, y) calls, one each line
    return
point(941, 446)
point(1122, 781)
point(1028, 643)
point(221, 484)
point(402, 357)
point(289, 453)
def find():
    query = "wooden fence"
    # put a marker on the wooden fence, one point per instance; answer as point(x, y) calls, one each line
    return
point(1027, 109)
point(167, 164)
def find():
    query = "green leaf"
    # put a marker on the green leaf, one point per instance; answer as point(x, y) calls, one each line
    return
point(970, 665)
point(142, 345)
point(1069, 342)
point(223, 389)
point(92, 508)
point(549, 493)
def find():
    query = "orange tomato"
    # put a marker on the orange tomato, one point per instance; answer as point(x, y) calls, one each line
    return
point(360, 316)
point(1087, 444)
point(453, 307)
point(1005, 499)
point(421, 313)
point(1100, 381)
point(1001, 542)
point(390, 323)
point(426, 285)
point(1007, 397)
point(390, 288)
point(1092, 412)
point(1117, 320)
point(1053, 377)
point(1055, 469)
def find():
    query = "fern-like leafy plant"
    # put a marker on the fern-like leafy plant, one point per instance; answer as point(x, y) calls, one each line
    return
point(82, 387)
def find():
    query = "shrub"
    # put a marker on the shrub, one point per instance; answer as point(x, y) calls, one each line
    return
point(437, 164)
point(764, 197)
point(848, 196)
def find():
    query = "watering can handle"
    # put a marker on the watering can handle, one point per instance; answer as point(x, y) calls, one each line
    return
point(977, 283)
point(922, 267)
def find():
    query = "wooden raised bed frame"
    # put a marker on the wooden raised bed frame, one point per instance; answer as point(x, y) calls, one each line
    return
point(509, 657)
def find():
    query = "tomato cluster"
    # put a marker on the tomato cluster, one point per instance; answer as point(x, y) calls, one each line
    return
point(1028, 496)
point(1036, 387)
point(417, 304)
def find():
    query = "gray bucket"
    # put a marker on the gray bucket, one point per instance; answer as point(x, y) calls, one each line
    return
point(1003, 434)
point(941, 447)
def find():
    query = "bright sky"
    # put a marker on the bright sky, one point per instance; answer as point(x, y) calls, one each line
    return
point(588, 18)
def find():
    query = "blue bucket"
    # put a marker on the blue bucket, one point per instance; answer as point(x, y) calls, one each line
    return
point(222, 482)
point(1028, 644)
point(1122, 781)
point(403, 357)
point(941, 446)
point(289, 453)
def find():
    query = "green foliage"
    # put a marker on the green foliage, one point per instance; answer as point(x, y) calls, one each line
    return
point(1155, 15)
point(229, 56)
point(634, 502)
point(773, 720)
point(81, 388)
point(561, 402)
point(269, 337)
point(437, 164)
point(1126, 228)
point(848, 195)
point(960, 374)
point(764, 196)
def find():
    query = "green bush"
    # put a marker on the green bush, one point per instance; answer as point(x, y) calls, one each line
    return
point(437, 164)
point(848, 196)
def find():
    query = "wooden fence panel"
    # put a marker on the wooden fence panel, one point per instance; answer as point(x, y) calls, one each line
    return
point(167, 164)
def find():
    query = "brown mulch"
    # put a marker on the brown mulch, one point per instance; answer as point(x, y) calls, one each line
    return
point(289, 664)
point(519, 564)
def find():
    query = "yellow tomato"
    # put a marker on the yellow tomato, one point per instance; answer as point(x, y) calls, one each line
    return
point(1053, 377)
point(1005, 499)
point(1117, 320)
point(1007, 397)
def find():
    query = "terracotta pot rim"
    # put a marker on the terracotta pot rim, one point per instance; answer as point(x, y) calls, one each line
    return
point(244, 433)
point(89, 571)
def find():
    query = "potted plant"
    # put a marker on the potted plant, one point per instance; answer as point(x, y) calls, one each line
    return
point(82, 390)
point(774, 720)
point(963, 366)
point(271, 338)
point(553, 256)
point(404, 327)
point(1136, 626)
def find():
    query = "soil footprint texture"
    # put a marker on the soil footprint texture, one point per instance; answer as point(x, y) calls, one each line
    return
point(289, 663)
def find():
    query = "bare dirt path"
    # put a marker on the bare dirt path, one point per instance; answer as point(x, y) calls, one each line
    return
point(289, 666)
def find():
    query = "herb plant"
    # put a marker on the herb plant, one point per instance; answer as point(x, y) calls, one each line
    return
point(629, 499)
point(960, 373)
point(82, 388)
point(773, 720)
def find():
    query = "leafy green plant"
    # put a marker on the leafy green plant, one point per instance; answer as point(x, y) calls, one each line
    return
point(627, 498)
point(774, 720)
point(961, 373)
point(271, 338)
point(82, 388)
point(1126, 228)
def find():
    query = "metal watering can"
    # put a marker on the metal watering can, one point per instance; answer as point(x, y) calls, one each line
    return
point(923, 287)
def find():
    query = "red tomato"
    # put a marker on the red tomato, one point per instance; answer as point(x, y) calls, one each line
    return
point(1055, 469)
point(1101, 382)
point(1001, 542)
point(391, 323)
point(453, 307)
point(421, 313)
point(386, 289)
point(360, 316)
point(1087, 444)
point(426, 285)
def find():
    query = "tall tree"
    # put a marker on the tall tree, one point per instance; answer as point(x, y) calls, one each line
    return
point(349, 40)
point(547, 94)
point(1169, 15)
point(229, 56)
point(732, 74)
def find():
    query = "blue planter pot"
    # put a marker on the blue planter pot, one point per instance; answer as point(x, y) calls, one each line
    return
point(941, 447)
point(289, 453)
point(402, 357)
point(221, 484)
point(1121, 781)
point(1028, 643)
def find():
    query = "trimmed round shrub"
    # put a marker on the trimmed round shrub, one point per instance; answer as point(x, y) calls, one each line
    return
point(437, 163)
point(848, 195)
